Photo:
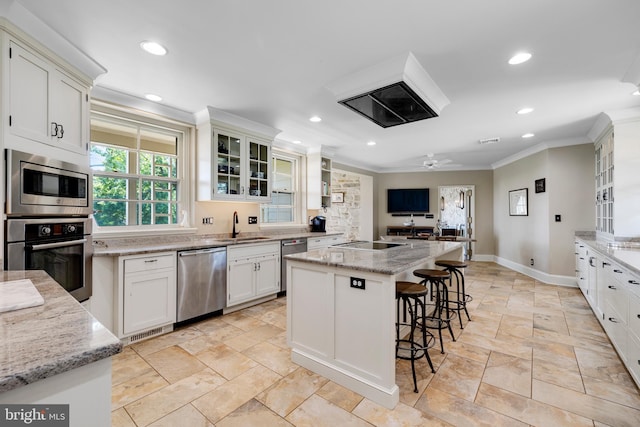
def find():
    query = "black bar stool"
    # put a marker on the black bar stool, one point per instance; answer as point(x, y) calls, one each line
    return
point(455, 267)
point(442, 314)
point(410, 295)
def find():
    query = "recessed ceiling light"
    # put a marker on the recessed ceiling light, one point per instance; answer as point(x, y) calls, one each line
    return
point(297, 142)
point(152, 97)
point(315, 119)
point(519, 58)
point(529, 135)
point(525, 110)
point(636, 93)
point(153, 48)
point(371, 143)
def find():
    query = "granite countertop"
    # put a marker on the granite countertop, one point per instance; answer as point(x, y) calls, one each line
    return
point(144, 245)
point(49, 339)
point(626, 254)
point(386, 261)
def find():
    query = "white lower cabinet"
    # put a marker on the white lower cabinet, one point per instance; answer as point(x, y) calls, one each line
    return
point(146, 292)
point(253, 271)
point(615, 299)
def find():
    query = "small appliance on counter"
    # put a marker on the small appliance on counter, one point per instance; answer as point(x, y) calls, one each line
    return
point(318, 223)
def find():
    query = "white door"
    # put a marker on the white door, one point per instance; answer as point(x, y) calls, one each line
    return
point(267, 275)
point(240, 281)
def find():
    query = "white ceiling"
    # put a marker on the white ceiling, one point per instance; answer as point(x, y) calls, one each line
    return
point(271, 62)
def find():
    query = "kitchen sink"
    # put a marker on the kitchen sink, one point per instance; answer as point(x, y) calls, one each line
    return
point(242, 239)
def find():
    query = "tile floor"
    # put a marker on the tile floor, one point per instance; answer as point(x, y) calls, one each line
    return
point(534, 354)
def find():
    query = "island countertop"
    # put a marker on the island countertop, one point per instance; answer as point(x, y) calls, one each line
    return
point(390, 261)
point(42, 341)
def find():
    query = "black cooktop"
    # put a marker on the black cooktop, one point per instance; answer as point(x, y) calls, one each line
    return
point(368, 245)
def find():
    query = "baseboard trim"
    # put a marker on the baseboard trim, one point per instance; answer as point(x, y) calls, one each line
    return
point(551, 279)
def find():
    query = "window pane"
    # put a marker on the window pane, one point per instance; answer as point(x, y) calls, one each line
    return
point(145, 163)
point(111, 133)
point(109, 188)
point(110, 213)
point(109, 159)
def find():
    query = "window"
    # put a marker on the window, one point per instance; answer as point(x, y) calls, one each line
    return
point(136, 171)
point(284, 190)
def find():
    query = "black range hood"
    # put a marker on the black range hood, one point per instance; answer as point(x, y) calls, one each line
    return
point(391, 105)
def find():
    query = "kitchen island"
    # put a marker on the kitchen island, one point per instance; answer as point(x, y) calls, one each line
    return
point(56, 353)
point(341, 310)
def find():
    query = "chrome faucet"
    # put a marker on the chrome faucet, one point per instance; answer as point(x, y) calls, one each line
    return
point(235, 233)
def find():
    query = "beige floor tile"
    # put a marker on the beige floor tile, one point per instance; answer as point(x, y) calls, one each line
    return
point(607, 367)
point(586, 405)
point(280, 340)
point(253, 414)
point(198, 344)
point(226, 361)
point(275, 318)
point(555, 369)
point(339, 396)
point(129, 391)
point(505, 344)
point(219, 330)
point(253, 337)
point(273, 357)
point(487, 327)
point(317, 412)
point(243, 321)
point(550, 299)
point(509, 373)
point(515, 326)
point(185, 416)
point(575, 341)
point(458, 376)
point(469, 351)
point(174, 363)
point(404, 377)
point(225, 399)
point(461, 412)
point(529, 411)
point(401, 415)
point(127, 365)
point(120, 418)
point(166, 400)
point(285, 395)
point(622, 393)
point(144, 348)
point(548, 322)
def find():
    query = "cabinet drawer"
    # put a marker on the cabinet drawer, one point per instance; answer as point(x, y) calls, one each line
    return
point(149, 263)
point(617, 296)
point(634, 316)
point(633, 357)
point(245, 251)
point(616, 329)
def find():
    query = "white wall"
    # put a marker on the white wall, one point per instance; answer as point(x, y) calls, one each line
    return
point(569, 174)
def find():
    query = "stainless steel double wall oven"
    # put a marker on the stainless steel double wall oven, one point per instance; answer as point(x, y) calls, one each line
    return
point(48, 203)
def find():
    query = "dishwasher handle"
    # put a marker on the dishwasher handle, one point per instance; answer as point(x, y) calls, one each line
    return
point(201, 252)
point(296, 243)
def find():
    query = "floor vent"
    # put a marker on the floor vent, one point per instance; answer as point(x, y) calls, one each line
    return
point(147, 334)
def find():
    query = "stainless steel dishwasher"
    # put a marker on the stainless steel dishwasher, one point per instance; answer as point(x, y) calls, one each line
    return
point(292, 246)
point(202, 282)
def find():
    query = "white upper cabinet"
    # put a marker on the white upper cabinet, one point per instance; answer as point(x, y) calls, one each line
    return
point(234, 157)
point(318, 181)
point(617, 182)
point(45, 104)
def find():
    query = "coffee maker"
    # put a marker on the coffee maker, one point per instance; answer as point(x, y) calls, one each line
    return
point(318, 223)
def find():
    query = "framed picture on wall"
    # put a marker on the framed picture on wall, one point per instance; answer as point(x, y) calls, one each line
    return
point(337, 197)
point(540, 185)
point(519, 202)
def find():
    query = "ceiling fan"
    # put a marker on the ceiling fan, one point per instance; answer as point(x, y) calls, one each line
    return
point(431, 162)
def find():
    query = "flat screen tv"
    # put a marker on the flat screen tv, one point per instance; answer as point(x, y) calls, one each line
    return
point(408, 200)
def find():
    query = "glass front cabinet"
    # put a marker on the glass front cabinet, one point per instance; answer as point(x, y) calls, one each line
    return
point(233, 161)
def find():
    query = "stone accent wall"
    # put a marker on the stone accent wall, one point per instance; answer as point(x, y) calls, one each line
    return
point(345, 217)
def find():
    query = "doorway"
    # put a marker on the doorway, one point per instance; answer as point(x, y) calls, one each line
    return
point(456, 214)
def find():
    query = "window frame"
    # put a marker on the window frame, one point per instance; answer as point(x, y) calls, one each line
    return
point(298, 203)
point(184, 180)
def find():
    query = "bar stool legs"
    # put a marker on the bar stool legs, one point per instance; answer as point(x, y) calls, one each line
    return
point(410, 295)
point(442, 313)
point(462, 298)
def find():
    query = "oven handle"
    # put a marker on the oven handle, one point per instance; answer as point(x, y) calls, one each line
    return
point(56, 245)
